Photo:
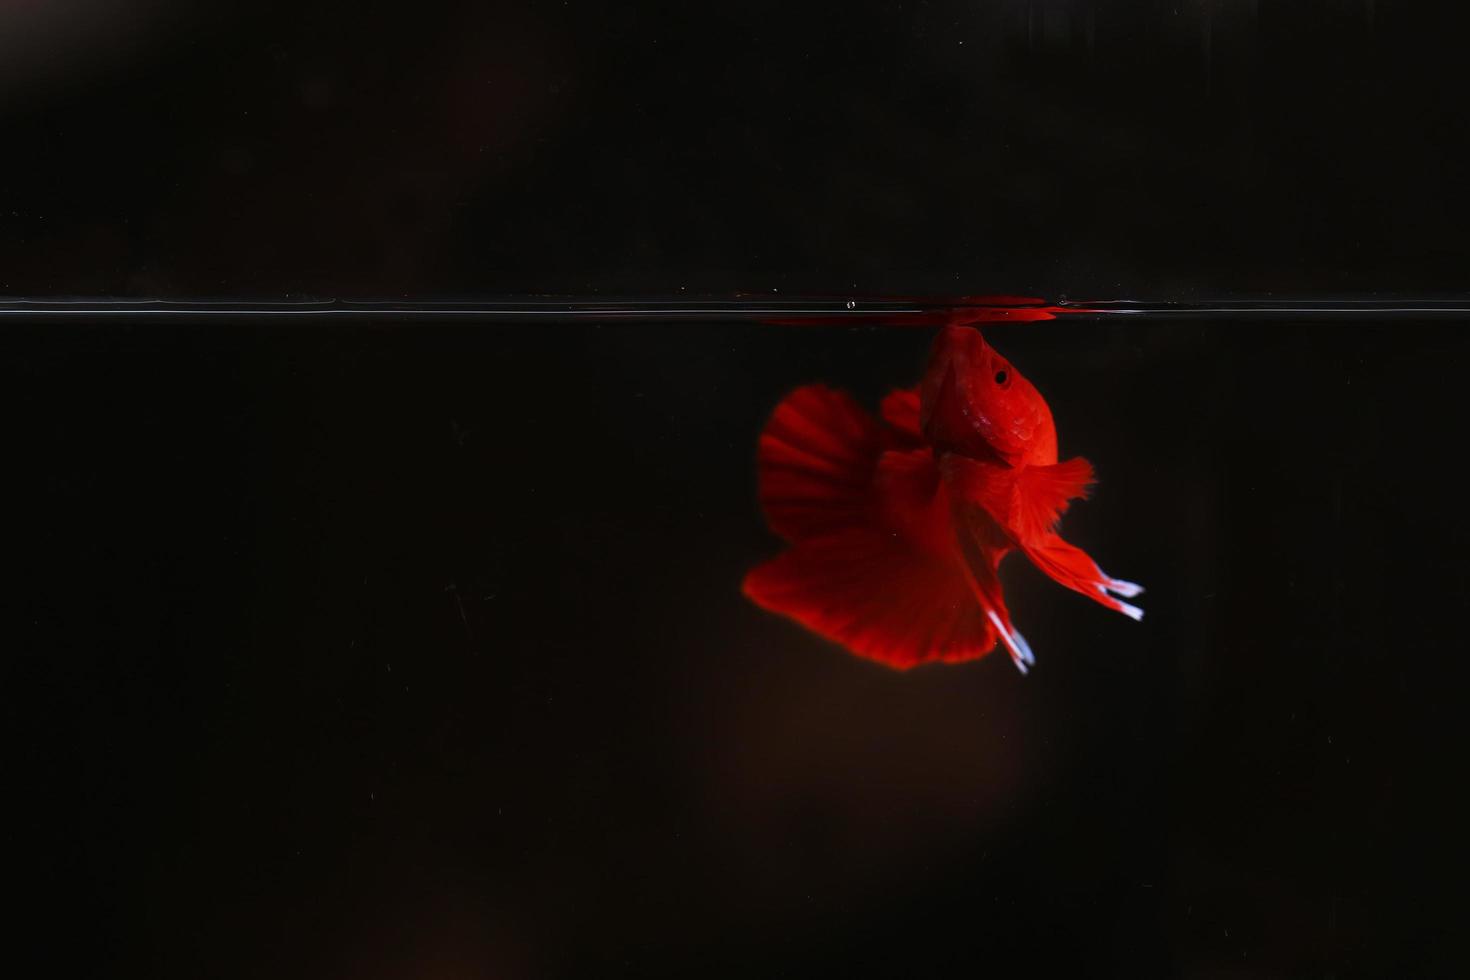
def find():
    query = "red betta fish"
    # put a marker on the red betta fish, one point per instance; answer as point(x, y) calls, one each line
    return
point(898, 525)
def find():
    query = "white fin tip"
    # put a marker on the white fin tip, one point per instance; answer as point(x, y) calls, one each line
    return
point(1125, 589)
point(1020, 650)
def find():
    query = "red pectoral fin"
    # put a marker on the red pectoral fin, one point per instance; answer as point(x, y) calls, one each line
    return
point(1026, 501)
point(867, 590)
point(1042, 494)
point(815, 463)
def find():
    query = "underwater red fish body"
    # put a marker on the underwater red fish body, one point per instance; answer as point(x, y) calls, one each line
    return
point(897, 523)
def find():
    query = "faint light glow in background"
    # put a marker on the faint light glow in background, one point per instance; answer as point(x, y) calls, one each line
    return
point(48, 43)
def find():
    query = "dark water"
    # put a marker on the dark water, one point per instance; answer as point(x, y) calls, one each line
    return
point(386, 649)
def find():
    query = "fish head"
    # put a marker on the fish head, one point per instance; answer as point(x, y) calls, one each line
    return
point(972, 401)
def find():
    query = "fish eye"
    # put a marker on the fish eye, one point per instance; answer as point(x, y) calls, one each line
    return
point(1001, 376)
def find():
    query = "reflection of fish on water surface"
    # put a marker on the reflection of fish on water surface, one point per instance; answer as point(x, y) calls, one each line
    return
point(898, 524)
point(947, 312)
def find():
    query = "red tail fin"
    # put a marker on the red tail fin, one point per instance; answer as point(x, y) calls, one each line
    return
point(815, 463)
point(864, 570)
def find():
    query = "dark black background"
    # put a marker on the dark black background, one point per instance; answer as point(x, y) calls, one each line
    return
point(412, 649)
point(404, 651)
point(1145, 149)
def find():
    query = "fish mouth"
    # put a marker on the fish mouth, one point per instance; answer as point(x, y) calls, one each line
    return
point(951, 424)
point(982, 453)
